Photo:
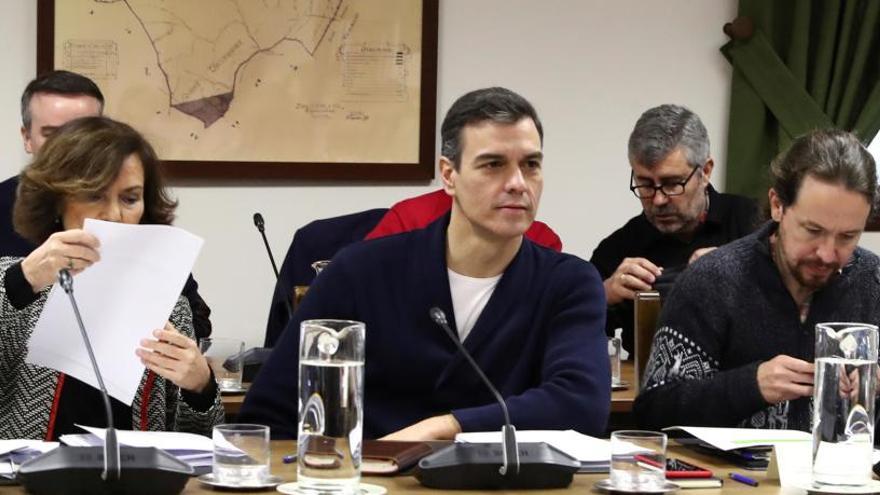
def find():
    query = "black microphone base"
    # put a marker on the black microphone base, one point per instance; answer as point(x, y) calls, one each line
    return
point(474, 466)
point(77, 470)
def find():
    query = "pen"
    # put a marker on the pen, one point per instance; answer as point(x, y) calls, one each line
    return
point(289, 459)
point(743, 479)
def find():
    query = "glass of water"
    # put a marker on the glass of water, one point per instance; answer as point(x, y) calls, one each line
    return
point(638, 460)
point(843, 403)
point(241, 454)
point(331, 396)
point(225, 359)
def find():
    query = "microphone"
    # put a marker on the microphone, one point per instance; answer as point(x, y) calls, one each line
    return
point(75, 470)
point(261, 226)
point(252, 359)
point(472, 465)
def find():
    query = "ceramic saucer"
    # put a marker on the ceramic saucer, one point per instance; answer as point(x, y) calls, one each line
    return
point(363, 489)
point(605, 486)
point(233, 391)
point(269, 482)
point(872, 487)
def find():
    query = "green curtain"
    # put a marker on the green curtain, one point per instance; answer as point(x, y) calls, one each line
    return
point(798, 65)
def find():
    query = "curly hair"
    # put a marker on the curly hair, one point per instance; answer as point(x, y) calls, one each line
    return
point(84, 157)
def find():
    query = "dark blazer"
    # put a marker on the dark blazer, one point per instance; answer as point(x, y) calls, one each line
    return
point(540, 340)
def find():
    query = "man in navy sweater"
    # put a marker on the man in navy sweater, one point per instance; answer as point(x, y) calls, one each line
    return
point(532, 318)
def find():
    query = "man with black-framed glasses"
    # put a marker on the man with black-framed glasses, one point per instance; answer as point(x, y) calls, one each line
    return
point(682, 218)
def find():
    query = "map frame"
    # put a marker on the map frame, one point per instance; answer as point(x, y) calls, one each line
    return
point(423, 169)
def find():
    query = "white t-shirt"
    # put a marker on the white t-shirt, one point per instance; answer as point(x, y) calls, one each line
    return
point(469, 297)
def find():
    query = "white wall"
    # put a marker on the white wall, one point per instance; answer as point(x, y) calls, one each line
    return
point(589, 66)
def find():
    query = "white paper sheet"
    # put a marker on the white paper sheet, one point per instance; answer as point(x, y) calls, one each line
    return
point(165, 440)
point(20, 450)
point(129, 293)
point(740, 438)
point(582, 447)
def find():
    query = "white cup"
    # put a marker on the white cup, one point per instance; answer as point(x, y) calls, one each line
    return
point(241, 454)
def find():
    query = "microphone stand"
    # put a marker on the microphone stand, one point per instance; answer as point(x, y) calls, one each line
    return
point(508, 431)
point(261, 226)
point(98, 470)
point(111, 446)
point(473, 465)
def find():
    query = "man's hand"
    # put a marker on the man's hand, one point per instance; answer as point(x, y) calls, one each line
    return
point(784, 378)
point(437, 428)
point(700, 253)
point(633, 275)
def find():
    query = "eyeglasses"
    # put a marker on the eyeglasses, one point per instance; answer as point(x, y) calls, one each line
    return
point(668, 189)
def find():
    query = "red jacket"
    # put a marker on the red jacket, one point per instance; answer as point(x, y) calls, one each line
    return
point(418, 212)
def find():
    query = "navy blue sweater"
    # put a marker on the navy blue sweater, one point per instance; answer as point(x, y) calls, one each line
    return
point(540, 340)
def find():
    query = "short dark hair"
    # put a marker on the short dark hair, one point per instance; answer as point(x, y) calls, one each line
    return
point(662, 129)
point(61, 82)
point(83, 157)
point(829, 155)
point(495, 104)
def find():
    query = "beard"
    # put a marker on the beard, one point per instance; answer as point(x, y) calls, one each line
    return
point(669, 220)
point(811, 273)
point(814, 274)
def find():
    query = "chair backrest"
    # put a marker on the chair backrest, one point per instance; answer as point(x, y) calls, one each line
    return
point(317, 240)
point(646, 313)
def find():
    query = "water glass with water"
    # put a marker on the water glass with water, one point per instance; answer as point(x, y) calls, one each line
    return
point(224, 356)
point(331, 396)
point(638, 460)
point(241, 454)
point(843, 403)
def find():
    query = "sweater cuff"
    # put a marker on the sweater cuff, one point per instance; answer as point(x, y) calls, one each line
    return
point(483, 418)
point(745, 397)
point(18, 289)
point(204, 400)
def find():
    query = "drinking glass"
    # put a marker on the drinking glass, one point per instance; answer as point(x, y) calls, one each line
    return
point(638, 460)
point(614, 351)
point(331, 391)
point(241, 454)
point(224, 356)
point(843, 403)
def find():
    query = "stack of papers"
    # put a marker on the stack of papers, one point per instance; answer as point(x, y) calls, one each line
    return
point(741, 438)
point(195, 450)
point(14, 452)
point(593, 453)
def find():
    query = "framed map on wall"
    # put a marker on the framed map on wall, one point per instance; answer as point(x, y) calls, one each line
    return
point(317, 89)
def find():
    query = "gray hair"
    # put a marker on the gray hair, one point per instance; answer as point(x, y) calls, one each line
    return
point(660, 130)
point(830, 155)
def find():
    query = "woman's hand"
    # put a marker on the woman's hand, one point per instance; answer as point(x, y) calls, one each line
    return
point(73, 249)
point(176, 357)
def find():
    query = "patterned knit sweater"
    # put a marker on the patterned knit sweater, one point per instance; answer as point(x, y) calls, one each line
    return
point(728, 313)
point(27, 391)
